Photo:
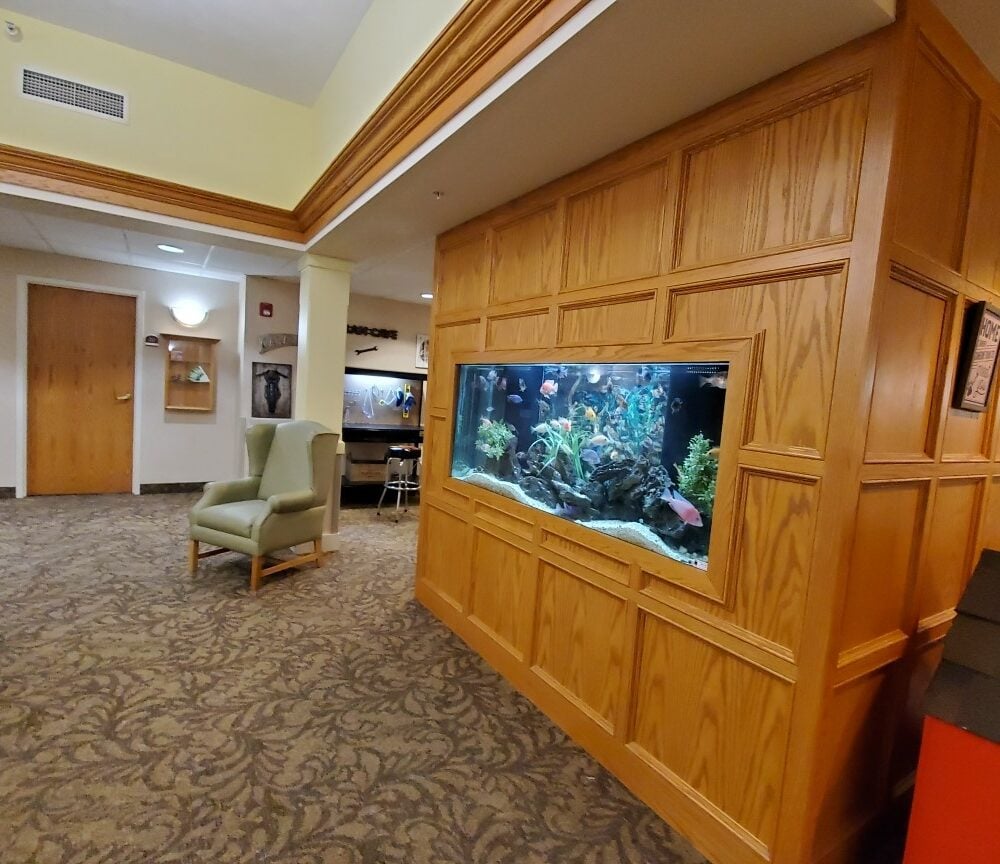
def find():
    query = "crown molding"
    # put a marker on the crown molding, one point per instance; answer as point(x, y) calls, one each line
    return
point(58, 174)
point(482, 41)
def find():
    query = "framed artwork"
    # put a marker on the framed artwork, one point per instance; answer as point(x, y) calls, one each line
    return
point(423, 351)
point(271, 391)
point(977, 360)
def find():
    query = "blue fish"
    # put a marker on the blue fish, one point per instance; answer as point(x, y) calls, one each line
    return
point(515, 399)
point(590, 456)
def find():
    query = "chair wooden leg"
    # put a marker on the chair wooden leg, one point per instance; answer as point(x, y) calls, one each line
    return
point(192, 556)
point(256, 565)
point(318, 550)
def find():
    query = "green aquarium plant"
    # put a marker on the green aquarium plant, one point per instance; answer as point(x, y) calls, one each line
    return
point(494, 437)
point(568, 439)
point(697, 474)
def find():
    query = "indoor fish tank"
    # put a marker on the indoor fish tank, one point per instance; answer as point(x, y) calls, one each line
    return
point(627, 449)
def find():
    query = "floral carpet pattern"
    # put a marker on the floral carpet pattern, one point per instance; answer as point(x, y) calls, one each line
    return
point(150, 716)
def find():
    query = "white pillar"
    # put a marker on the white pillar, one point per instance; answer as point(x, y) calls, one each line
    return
point(324, 292)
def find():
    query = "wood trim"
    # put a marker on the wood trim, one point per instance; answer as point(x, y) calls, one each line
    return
point(482, 41)
point(111, 186)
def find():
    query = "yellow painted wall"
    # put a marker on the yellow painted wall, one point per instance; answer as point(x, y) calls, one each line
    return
point(391, 37)
point(184, 125)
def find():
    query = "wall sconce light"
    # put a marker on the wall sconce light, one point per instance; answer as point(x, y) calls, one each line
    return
point(189, 313)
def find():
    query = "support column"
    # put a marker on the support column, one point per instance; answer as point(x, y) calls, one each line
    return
point(324, 292)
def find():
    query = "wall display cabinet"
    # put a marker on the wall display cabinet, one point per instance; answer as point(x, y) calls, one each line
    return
point(822, 237)
point(190, 371)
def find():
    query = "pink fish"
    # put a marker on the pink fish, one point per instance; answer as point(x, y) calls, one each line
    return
point(549, 387)
point(682, 507)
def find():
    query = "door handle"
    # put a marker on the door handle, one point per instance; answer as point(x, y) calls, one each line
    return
point(124, 398)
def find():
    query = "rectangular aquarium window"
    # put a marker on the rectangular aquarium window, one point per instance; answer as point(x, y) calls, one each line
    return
point(628, 449)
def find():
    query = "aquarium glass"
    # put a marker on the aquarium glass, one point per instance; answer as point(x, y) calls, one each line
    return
point(628, 449)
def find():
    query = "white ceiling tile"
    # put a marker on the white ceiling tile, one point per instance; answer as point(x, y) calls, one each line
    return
point(62, 233)
point(18, 233)
point(144, 245)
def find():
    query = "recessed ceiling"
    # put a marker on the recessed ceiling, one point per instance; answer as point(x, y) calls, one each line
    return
point(979, 23)
point(287, 49)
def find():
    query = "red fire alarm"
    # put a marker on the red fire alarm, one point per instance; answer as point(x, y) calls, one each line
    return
point(266, 310)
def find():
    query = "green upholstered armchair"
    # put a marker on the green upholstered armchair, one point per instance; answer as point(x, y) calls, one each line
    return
point(281, 503)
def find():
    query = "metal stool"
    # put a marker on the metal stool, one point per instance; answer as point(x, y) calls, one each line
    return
point(400, 471)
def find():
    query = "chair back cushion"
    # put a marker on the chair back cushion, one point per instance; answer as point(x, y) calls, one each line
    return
point(290, 461)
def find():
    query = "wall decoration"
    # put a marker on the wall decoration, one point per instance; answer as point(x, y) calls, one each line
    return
point(152, 340)
point(423, 351)
point(271, 341)
point(271, 391)
point(359, 351)
point(266, 310)
point(374, 332)
point(977, 361)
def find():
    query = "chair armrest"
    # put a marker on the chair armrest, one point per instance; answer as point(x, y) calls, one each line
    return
point(228, 491)
point(292, 502)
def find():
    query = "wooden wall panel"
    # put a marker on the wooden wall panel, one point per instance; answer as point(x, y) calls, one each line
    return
point(447, 566)
point(503, 591)
point(714, 721)
point(991, 523)
point(624, 320)
point(780, 183)
point(952, 528)
point(591, 671)
point(437, 450)
point(447, 341)
point(463, 276)
point(983, 251)
point(936, 163)
point(966, 435)
point(530, 330)
point(526, 257)
point(912, 325)
point(613, 231)
point(857, 726)
point(775, 524)
point(800, 321)
point(856, 503)
point(887, 532)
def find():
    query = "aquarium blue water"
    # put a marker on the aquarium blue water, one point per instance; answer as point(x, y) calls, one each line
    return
point(628, 449)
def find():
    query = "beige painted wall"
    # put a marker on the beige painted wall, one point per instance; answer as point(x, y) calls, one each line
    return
point(184, 125)
point(173, 447)
point(394, 355)
point(284, 296)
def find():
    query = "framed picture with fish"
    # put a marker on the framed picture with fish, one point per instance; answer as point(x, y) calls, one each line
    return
point(977, 360)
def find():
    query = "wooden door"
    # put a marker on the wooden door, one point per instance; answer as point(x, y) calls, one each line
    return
point(81, 371)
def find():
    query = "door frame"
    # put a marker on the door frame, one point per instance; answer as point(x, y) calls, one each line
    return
point(21, 369)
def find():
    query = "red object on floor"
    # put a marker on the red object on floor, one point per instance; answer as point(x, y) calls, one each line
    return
point(956, 805)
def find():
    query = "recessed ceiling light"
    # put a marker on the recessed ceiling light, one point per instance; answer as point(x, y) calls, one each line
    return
point(166, 247)
point(426, 296)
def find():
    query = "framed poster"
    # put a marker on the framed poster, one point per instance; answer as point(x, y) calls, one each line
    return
point(423, 351)
point(271, 391)
point(977, 360)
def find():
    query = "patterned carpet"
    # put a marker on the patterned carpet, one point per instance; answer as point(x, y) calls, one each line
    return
point(149, 716)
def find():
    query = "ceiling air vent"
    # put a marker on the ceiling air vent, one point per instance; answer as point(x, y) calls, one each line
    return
point(73, 94)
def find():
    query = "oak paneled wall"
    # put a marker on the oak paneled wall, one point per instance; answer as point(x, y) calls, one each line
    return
point(766, 708)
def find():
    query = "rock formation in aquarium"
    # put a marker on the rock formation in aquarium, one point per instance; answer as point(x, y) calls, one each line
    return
point(627, 449)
